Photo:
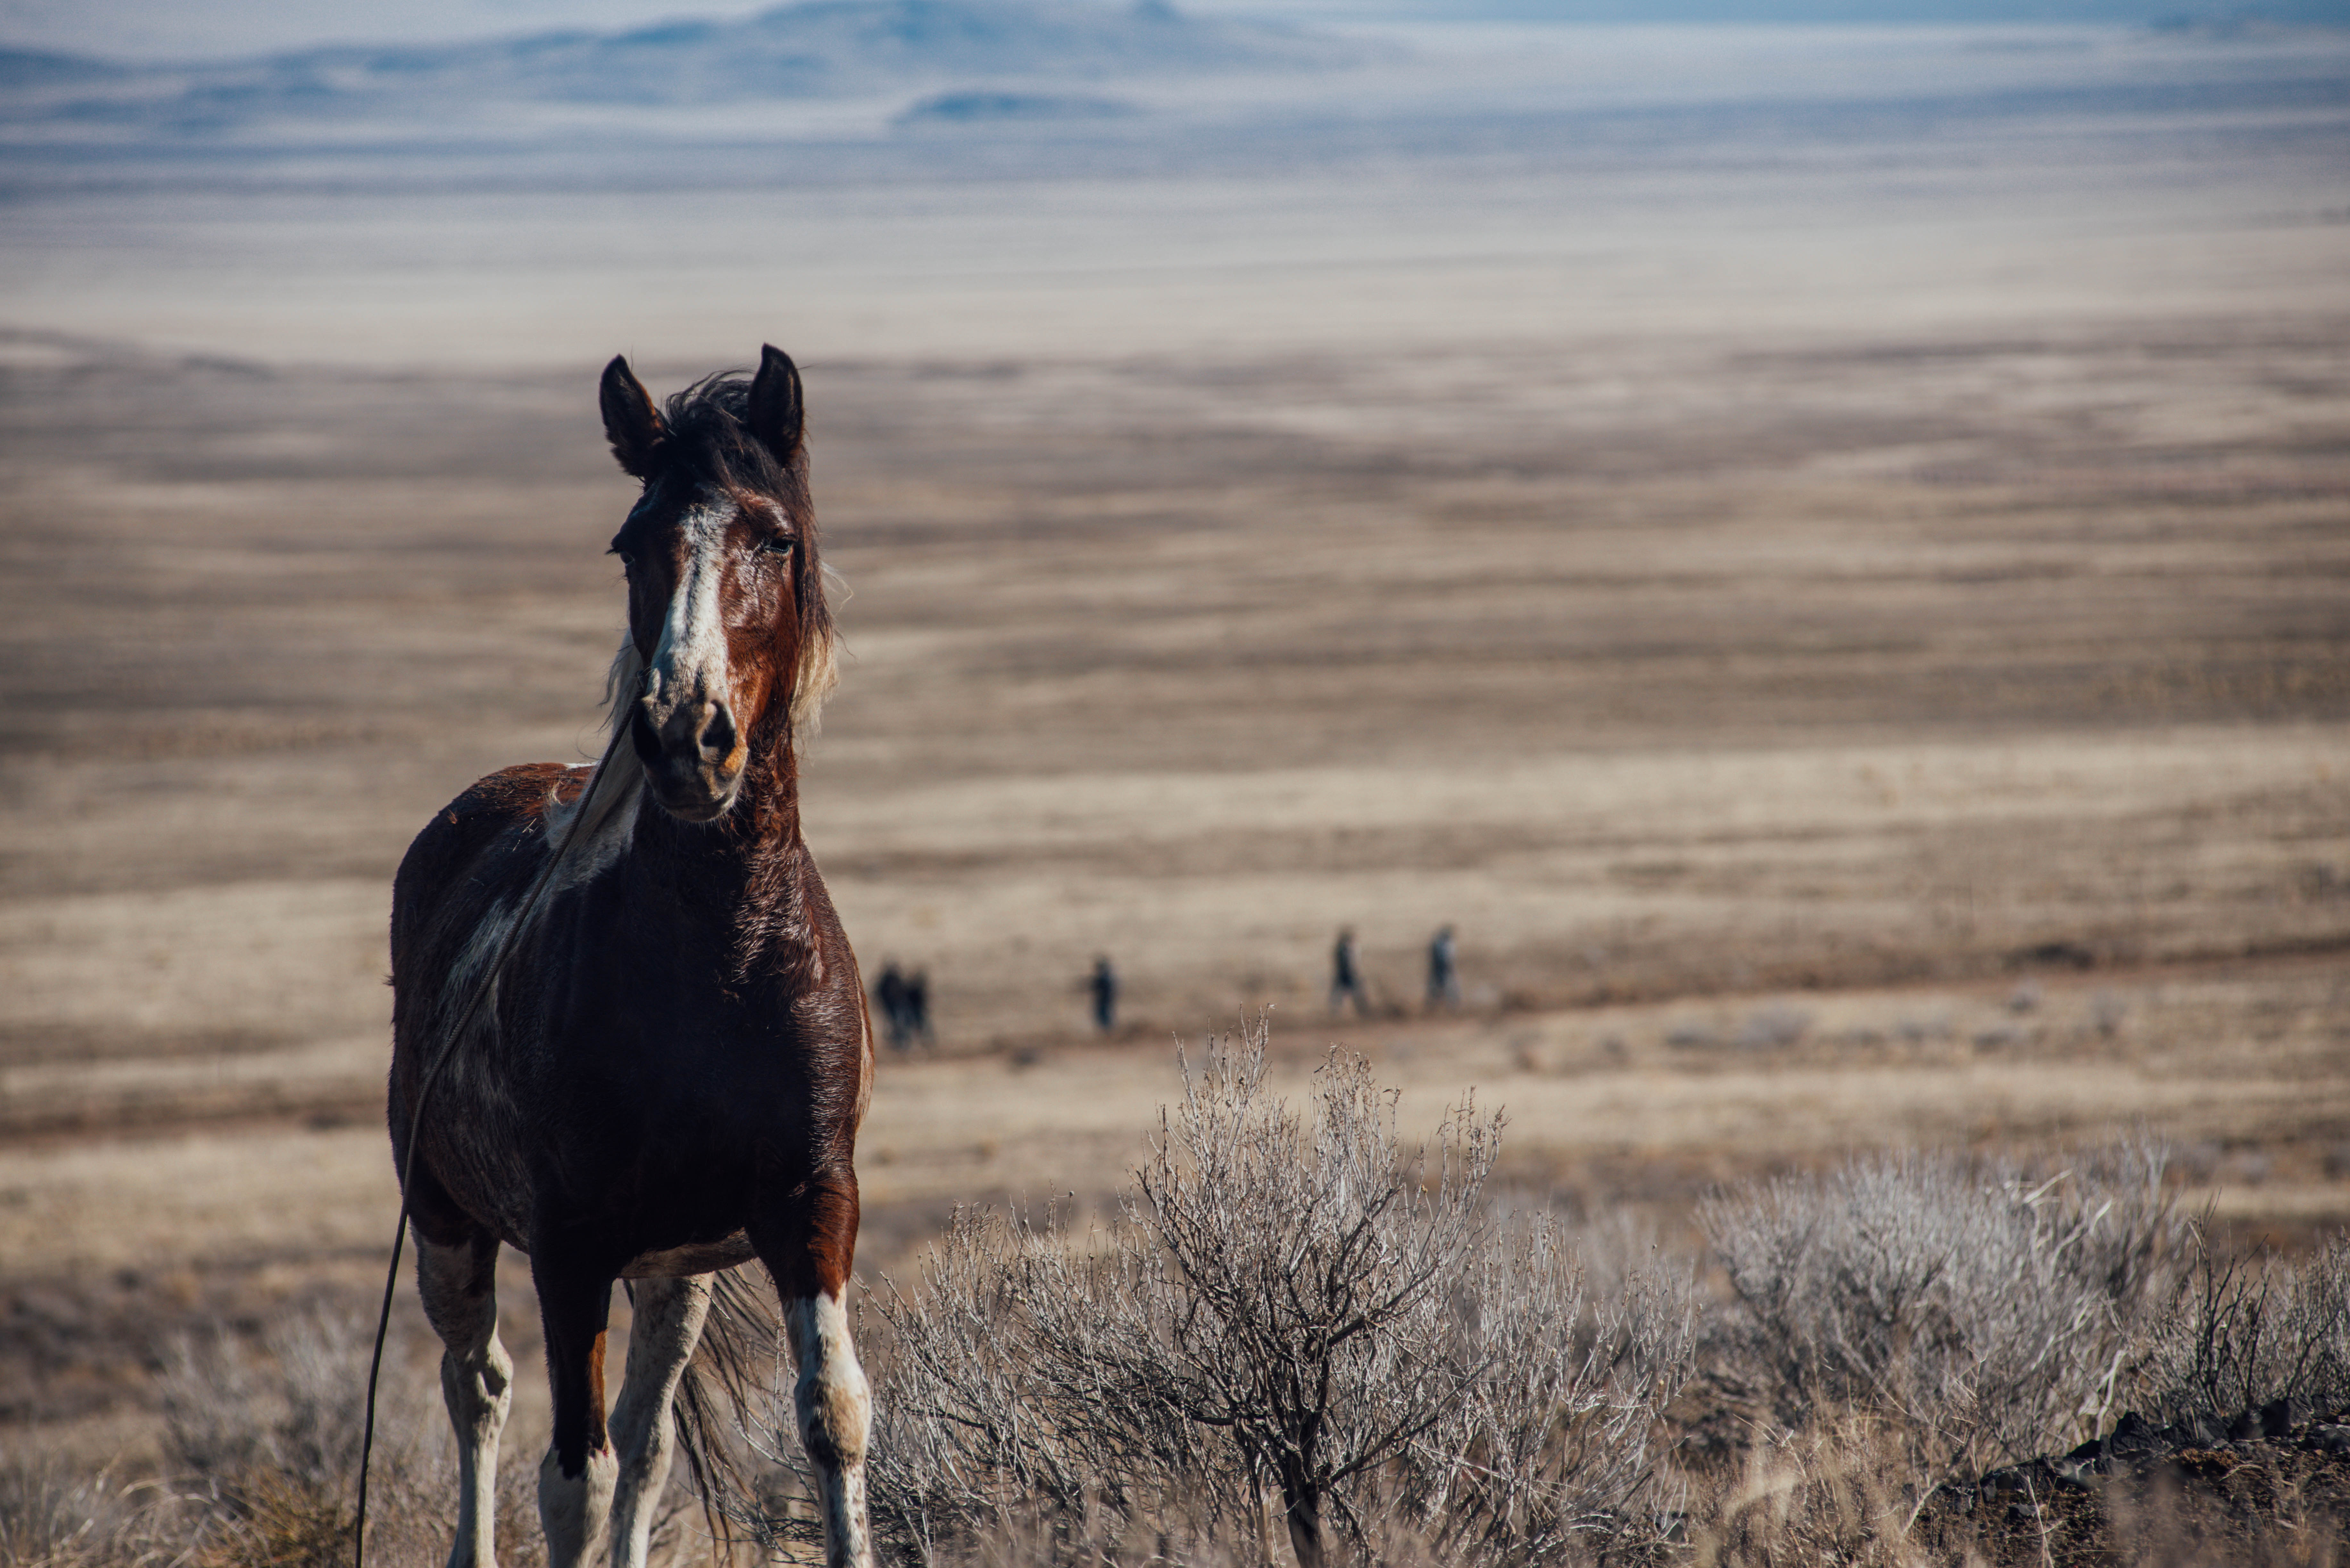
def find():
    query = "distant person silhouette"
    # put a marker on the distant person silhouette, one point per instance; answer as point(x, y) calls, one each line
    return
point(1346, 975)
point(889, 996)
point(1103, 987)
point(917, 1007)
point(1443, 972)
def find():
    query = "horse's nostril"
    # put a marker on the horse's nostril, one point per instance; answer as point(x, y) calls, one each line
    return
point(718, 736)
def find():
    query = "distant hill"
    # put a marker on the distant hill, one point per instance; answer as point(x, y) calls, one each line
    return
point(970, 107)
point(2141, 13)
point(817, 48)
point(32, 68)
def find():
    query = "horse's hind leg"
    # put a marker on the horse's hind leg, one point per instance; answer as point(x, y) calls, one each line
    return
point(457, 1279)
point(807, 1242)
point(668, 1316)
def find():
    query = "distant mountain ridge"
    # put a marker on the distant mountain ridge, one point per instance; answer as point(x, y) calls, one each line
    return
point(1872, 13)
point(816, 48)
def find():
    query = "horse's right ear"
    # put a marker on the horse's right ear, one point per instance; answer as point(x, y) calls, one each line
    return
point(631, 423)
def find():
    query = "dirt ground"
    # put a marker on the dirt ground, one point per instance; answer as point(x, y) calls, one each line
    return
point(1848, 687)
point(1936, 742)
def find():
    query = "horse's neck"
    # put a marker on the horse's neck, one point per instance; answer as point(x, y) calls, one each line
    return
point(743, 873)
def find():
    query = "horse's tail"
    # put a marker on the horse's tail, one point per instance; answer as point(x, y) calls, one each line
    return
point(721, 1392)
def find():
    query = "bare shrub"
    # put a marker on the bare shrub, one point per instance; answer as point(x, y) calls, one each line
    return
point(1291, 1320)
point(2241, 1335)
point(261, 1445)
point(264, 1440)
point(275, 1519)
point(53, 1516)
point(295, 1407)
point(272, 1438)
point(1549, 1451)
point(1989, 1315)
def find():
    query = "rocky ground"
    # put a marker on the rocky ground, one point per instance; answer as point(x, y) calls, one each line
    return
point(2272, 1486)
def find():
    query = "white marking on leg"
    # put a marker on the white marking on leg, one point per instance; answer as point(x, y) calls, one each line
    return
point(834, 1406)
point(574, 1510)
point(669, 1318)
point(479, 1396)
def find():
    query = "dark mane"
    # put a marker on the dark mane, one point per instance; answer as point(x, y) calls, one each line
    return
point(708, 433)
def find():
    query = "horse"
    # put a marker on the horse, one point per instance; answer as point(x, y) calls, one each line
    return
point(626, 1010)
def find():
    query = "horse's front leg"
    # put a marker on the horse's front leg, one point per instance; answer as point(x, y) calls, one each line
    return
point(808, 1241)
point(456, 1275)
point(576, 1478)
point(668, 1317)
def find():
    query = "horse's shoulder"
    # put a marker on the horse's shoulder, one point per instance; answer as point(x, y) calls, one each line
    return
point(520, 792)
point(510, 799)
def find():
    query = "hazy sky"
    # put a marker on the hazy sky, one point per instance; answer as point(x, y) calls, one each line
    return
point(160, 29)
point(154, 29)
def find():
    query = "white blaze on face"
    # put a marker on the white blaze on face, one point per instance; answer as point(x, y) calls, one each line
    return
point(689, 664)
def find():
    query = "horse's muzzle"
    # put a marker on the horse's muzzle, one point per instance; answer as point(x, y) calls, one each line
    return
point(693, 755)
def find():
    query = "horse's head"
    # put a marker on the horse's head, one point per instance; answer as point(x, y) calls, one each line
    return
point(726, 602)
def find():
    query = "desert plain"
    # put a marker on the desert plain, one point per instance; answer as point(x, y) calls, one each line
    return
point(1848, 617)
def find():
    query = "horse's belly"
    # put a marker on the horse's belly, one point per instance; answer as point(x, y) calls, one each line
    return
point(698, 1259)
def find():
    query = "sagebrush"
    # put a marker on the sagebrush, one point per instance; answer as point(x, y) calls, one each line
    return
point(1989, 1314)
point(1294, 1324)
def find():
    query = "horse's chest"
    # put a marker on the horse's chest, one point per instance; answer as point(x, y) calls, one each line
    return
point(679, 1121)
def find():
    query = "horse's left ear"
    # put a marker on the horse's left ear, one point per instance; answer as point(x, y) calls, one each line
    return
point(775, 411)
point(630, 421)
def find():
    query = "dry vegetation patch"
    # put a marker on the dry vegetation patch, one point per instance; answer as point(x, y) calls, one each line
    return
point(1301, 1340)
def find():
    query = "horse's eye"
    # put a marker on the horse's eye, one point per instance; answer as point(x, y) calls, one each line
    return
point(777, 545)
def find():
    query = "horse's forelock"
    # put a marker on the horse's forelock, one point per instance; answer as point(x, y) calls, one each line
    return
point(708, 435)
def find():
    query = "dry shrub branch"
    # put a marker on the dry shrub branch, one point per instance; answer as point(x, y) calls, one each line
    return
point(2244, 1334)
point(1293, 1321)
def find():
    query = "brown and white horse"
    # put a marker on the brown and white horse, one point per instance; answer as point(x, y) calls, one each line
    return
point(667, 1070)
